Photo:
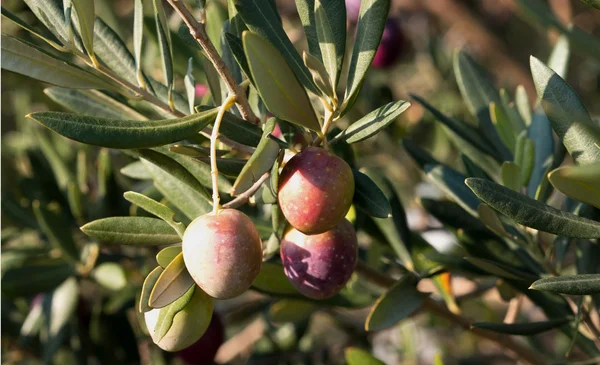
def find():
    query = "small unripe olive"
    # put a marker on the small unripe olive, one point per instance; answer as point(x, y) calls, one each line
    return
point(223, 253)
point(315, 190)
point(203, 351)
point(320, 265)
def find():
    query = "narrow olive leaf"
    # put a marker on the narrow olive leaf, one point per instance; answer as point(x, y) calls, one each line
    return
point(568, 116)
point(35, 277)
point(172, 283)
point(42, 34)
point(540, 132)
point(371, 23)
point(228, 56)
point(578, 182)
point(511, 176)
point(164, 43)
point(399, 302)
point(584, 284)
point(190, 85)
point(594, 3)
point(173, 168)
point(462, 129)
point(147, 288)
point(51, 14)
point(272, 280)
point(152, 206)
point(489, 217)
point(452, 183)
point(139, 231)
point(59, 167)
point(186, 198)
point(165, 256)
point(306, 12)
point(237, 50)
point(124, 134)
point(136, 170)
point(237, 128)
point(326, 42)
point(75, 200)
point(478, 93)
point(92, 103)
point(56, 227)
point(276, 82)
point(356, 356)
point(418, 154)
point(372, 123)
point(393, 236)
point(28, 60)
point(110, 275)
point(290, 311)
point(522, 329)
point(533, 213)
point(264, 21)
point(527, 162)
point(516, 122)
point(522, 104)
point(215, 16)
point(501, 270)
point(60, 307)
point(138, 39)
point(559, 58)
point(194, 151)
point(86, 16)
point(319, 74)
point(369, 198)
point(260, 162)
point(503, 126)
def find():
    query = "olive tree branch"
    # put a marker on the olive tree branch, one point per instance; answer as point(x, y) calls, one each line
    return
point(246, 195)
point(214, 171)
point(198, 31)
point(433, 307)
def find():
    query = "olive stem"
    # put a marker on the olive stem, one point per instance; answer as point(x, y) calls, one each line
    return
point(198, 31)
point(214, 171)
point(431, 306)
point(246, 195)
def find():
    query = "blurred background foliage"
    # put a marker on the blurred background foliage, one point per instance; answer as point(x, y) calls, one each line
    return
point(101, 326)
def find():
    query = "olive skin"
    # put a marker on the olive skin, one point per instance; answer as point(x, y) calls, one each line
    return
point(223, 253)
point(203, 351)
point(390, 48)
point(320, 265)
point(315, 190)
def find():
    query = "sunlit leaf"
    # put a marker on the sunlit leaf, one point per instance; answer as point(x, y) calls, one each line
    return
point(356, 356)
point(372, 123)
point(579, 182)
point(173, 282)
point(522, 329)
point(399, 302)
point(140, 231)
point(584, 284)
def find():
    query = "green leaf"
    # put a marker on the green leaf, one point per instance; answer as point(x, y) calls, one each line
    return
point(326, 42)
point(136, 170)
point(501, 270)
point(138, 39)
point(110, 275)
point(306, 12)
point(42, 34)
point(291, 310)
point(264, 21)
point(164, 43)
point(59, 309)
point(56, 227)
point(371, 23)
point(237, 128)
point(124, 134)
point(237, 50)
point(533, 213)
point(167, 254)
point(228, 56)
point(478, 93)
point(489, 217)
point(511, 176)
point(369, 198)
point(482, 161)
point(147, 287)
point(276, 83)
point(152, 206)
point(356, 356)
point(272, 280)
point(559, 58)
point(452, 183)
point(28, 60)
point(59, 167)
point(260, 162)
point(172, 283)
point(502, 123)
point(522, 104)
point(139, 231)
point(578, 182)
point(86, 16)
point(231, 167)
point(92, 103)
point(319, 74)
point(584, 284)
point(190, 85)
point(179, 186)
point(50, 13)
point(568, 116)
point(35, 277)
point(522, 329)
point(372, 123)
point(594, 3)
point(399, 302)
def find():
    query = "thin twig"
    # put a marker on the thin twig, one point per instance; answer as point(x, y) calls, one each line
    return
point(214, 171)
point(199, 33)
point(246, 195)
point(434, 307)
